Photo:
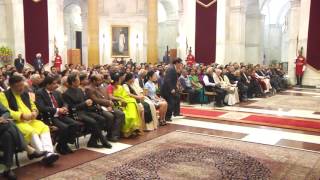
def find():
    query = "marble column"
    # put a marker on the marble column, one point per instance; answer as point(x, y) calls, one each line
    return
point(56, 31)
point(84, 18)
point(93, 32)
point(222, 31)
point(254, 38)
point(237, 21)
point(152, 53)
point(16, 26)
point(231, 20)
point(293, 33)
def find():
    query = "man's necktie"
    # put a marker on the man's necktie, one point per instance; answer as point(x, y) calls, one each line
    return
point(53, 100)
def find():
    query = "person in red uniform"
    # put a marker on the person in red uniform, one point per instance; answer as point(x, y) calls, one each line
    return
point(300, 67)
point(190, 59)
point(57, 61)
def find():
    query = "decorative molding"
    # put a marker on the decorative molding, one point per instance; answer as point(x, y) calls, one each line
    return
point(206, 5)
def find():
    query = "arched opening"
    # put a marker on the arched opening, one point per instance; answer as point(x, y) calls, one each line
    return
point(168, 31)
point(266, 31)
point(72, 25)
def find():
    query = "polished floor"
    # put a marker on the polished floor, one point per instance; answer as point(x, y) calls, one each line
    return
point(247, 132)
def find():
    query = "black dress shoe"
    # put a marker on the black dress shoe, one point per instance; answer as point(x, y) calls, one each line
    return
point(36, 155)
point(68, 149)
point(169, 120)
point(61, 150)
point(50, 158)
point(107, 145)
point(9, 174)
point(94, 145)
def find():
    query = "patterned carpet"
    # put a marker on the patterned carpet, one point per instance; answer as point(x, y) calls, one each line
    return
point(182, 155)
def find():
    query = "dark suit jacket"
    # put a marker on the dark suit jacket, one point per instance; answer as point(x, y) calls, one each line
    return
point(4, 112)
point(170, 81)
point(45, 105)
point(75, 98)
point(38, 65)
point(243, 79)
point(19, 64)
point(232, 78)
point(98, 95)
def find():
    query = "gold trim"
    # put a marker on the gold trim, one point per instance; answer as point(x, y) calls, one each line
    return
point(206, 5)
point(120, 26)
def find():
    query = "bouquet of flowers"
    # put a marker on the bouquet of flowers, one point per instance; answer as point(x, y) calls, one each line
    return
point(6, 55)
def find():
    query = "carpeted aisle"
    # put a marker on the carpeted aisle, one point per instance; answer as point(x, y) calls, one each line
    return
point(182, 155)
point(266, 120)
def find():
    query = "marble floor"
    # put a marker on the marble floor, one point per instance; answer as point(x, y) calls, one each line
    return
point(252, 133)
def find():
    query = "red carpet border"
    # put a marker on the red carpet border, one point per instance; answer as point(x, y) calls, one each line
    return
point(266, 120)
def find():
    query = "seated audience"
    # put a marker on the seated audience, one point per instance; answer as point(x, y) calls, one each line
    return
point(211, 86)
point(54, 113)
point(151, 91)
point(12, 141)
point(222, 80)
point(133, 124)
point(24, 112)
point(196, 84)
point(81, 108)
point(187, 87)
point(115, 117)
point(149, 113)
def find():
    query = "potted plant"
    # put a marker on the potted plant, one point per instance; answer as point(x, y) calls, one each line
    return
point(6, 55)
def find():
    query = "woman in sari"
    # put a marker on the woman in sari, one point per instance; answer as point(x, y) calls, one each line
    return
point(194, 79)
point(129, 105)
point(149, 112)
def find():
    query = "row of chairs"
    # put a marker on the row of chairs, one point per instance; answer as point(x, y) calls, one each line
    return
point(210, 95)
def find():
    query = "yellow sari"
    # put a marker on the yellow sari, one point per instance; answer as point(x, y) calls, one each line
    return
point(132, 119)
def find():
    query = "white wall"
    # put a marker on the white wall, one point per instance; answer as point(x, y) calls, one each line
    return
point(123, 13)
point(12, 26)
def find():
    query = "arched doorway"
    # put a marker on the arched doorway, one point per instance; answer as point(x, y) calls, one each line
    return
point(74, 28)
point(168, 26)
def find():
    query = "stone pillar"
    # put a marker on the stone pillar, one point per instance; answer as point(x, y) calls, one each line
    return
point(152, 53)
point(294, 22)
point(231, 20)
point(16, 36)
point(222, 11)
point(93, 32)
point(254, 38)
point(84, 18)
point(236, 28)
point(56, 31)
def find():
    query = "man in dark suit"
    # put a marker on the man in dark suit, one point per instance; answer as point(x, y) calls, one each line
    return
point(83, 108)
point(115, 117)
point(169, 88)
point(38, 63)
point(11, 141)
point(51, 107)
point(19, 63)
